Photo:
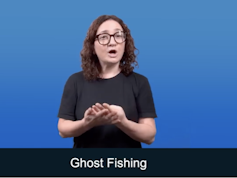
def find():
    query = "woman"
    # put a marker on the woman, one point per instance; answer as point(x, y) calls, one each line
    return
point(107, 105)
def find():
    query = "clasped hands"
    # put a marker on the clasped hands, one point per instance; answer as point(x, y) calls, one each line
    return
point(102, 114)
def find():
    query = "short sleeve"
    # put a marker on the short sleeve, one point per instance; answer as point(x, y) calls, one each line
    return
point(145, 102)
point(68, 100)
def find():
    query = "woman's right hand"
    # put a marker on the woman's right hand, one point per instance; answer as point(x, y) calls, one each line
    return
point(93, 117)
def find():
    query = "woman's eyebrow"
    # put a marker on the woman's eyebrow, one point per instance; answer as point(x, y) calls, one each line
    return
point(106, 31)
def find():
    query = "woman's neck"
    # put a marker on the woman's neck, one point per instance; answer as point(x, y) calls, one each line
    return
point(109, 71)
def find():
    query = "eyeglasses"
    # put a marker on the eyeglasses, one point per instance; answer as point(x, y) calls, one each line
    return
point(105, 38)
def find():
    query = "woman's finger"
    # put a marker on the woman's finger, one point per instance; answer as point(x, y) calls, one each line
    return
point(114, 119)
point(107, 107)
point(102, 112)
point(88, 111)
point(95, 108)
point(108, 116)
point(99, 106)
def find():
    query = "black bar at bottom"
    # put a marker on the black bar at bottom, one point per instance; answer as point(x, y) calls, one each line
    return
point(118, 162)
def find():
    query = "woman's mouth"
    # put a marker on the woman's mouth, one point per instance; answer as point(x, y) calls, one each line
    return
point(112, 53)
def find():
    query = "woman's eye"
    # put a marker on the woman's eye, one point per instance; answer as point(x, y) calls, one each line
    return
point(103, 37)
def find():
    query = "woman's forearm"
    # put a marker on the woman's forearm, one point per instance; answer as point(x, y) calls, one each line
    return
point(68, 128)
point(139, 132)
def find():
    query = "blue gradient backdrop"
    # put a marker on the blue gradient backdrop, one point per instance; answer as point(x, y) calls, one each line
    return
point(187, 49)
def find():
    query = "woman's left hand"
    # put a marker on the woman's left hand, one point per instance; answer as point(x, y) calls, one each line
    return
point(118, 110)
point(121, 116)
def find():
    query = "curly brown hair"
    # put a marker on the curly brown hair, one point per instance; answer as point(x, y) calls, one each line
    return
point(90, 62)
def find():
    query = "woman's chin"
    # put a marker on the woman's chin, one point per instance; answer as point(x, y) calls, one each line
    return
point(111, 61)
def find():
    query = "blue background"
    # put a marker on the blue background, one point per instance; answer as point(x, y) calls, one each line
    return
point(187, 50)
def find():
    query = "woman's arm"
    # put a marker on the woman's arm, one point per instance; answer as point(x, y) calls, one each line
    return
point(68, 128)
point(143, 131)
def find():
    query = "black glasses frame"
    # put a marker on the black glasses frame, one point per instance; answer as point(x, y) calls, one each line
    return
point(96, 37)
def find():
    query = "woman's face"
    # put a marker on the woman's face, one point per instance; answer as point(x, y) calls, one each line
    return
point(112, 52)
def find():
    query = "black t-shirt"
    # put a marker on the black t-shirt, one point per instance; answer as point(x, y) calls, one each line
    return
point(132, 93)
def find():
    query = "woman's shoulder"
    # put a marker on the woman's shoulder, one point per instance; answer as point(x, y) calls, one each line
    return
point(138, 78)
point(76, 77)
